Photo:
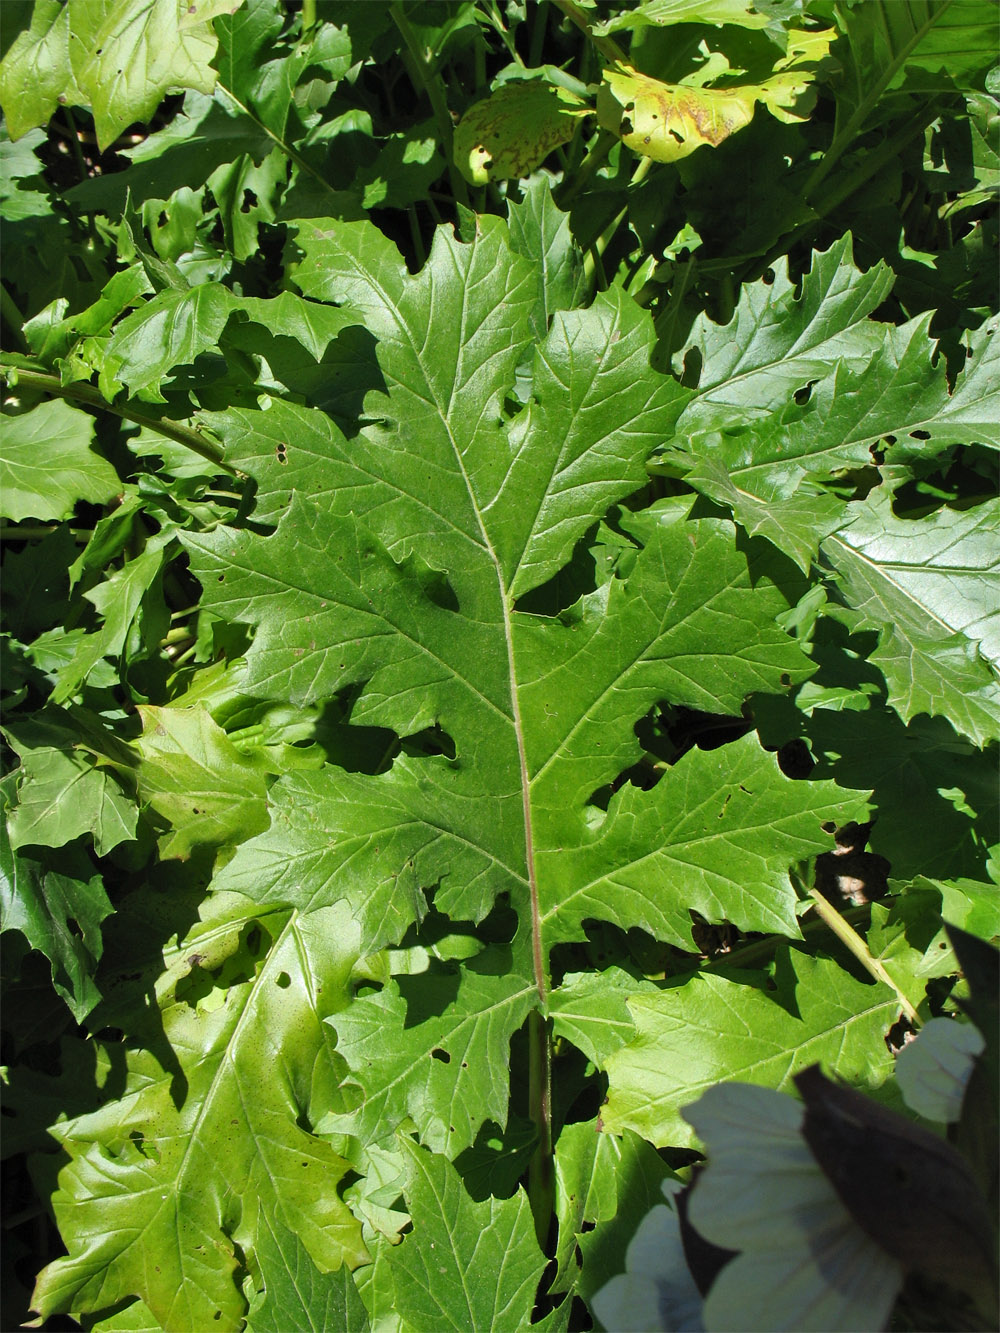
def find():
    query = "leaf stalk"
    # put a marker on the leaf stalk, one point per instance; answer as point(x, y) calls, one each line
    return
point(541, 1189)
point(87, 395)
point(849, 937)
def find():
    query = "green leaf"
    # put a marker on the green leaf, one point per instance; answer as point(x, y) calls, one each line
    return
point(592, 1175)
point(932, 789)
point(638, 1172)
point(133, 612)
point(36, 583)
point(541, 233)
point(118, 58)
point(62, 793)
point(167, 1184)
point(59, 912)
point(907, 937)
point(465, 1265)
point(716, 1027)
point(47, 463)
point(929, 587)
point(174, 327)
point(19, 162)
point(450, 1072)
point(193, 776)
point(667, 122)
point(716, 836)
point(406, 166)
point(298, 1297)
point(664, 13)
point(781, 337)
point(207, 134)
point(927, 46)
point(900, 404)
point(590, 1009)
point(533, 715)
point(514, 129)
point(972, 905)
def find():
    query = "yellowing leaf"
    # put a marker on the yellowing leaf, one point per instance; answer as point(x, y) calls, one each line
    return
point(512, 131)
point(668, 121)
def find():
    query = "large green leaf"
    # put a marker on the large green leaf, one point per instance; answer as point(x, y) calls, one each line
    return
point(514, 129)
point(929, 588)
point(62, 792)
point(119, 57)
point(192, 775)
point(899, 404)
point(449, 1072)
point(920, 44)
point(206, 1149)
point(664, 13)
point(466, 1265)
point(172, 328)
point(47, 463)
point(669, 121)
point(209, 133)
point(400, 590)
point(782, 337)
point(58, 909)
point(132, 612)
point(298, 1297)
point(715, 1027)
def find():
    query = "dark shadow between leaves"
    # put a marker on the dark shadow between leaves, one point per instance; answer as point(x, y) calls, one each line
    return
point(495, 1164)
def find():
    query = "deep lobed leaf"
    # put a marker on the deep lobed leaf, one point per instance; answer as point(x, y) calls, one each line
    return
point(397, 587)
point(47, 463)
point(168, 1184)
point(930, 590)
point(716, 1027)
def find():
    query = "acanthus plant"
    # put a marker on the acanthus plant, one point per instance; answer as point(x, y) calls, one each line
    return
point(423, 765)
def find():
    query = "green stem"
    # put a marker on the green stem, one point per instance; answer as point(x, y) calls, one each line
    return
point(25, 531)
point(278, 142)
point(308, 15)
point(74, 139)
point(415, 237)
point(609, 49)
point(759, 952)
point(541, 1183)
point(423, 77)
point(591, 164)
point(179, 634)
point(539, 27)
point(849, 937)
point(843, 138)
point(86, 394)
point(849, 184)
point(13, 316)
point(504, 34)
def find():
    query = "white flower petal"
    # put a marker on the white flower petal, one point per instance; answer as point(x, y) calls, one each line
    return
point(804, 1263)
point(656, 1293)
point(933, 1070)
point(844, 1283)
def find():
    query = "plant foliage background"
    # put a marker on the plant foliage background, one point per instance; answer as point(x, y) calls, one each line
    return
point(500, 537)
